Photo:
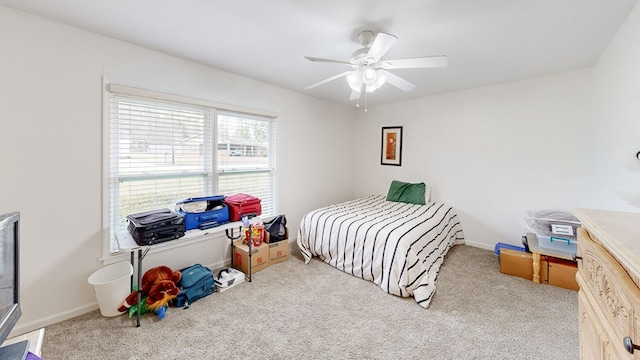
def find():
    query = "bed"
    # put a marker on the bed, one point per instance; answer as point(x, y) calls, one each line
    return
point(398, 246)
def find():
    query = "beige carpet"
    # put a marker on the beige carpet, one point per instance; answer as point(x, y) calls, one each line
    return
point(297, 311)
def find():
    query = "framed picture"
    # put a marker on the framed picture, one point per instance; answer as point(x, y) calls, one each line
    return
point(391, 152)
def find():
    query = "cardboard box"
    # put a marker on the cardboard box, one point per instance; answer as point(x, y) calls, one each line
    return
point(278, 252)
point(516, 263)
point(259, 257)
point(559, 272)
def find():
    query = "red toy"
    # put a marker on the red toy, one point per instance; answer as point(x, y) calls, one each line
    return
point(159, 285)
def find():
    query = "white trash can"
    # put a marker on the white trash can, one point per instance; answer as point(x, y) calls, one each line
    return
point(112, 285)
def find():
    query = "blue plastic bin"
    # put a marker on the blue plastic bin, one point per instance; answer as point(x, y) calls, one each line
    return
point(507, 246)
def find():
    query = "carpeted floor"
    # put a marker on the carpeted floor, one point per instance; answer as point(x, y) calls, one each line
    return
point(297, 311)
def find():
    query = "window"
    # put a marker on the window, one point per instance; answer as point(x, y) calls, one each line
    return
point(245, 165)
point(161, 151)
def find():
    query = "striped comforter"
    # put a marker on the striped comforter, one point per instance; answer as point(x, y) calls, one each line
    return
point(398, 246)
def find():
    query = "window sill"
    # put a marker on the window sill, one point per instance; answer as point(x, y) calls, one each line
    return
point(127, 244)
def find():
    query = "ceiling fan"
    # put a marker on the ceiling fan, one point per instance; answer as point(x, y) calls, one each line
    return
point(370, 70)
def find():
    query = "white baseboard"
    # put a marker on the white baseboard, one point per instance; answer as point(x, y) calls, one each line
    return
point(478, 245)
point(23, 328)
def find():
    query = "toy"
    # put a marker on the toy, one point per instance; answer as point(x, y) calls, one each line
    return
point(157, 288)
point(157, 301)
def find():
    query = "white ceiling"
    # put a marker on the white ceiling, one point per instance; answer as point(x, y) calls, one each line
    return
point(487, 41)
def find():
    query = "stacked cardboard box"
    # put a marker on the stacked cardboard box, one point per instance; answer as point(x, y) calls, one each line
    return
point(553, 271)
point(558, 272)
point(268, 253)
point(278, 250)
point(259, 257)
point(516, 263)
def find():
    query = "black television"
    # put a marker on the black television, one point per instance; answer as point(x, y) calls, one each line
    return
point(10, 310)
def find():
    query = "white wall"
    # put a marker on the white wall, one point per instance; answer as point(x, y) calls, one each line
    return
point(492, 153)
point(51, 146)
point(558, 142)
point(617, 120)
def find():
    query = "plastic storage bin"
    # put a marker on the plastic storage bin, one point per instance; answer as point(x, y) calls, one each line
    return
point(111, 285)
point(507, 246)
point(558, 243)
point(552, 223)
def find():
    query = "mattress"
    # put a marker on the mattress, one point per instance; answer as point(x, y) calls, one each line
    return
point(398, 246)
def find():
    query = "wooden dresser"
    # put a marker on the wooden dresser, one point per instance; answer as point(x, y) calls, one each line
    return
point(609, 279)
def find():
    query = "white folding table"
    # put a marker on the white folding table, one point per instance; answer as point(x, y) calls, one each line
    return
point(126, 243)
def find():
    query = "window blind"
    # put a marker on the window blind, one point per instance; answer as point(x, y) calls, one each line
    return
point(245, 162)
point(163, 151)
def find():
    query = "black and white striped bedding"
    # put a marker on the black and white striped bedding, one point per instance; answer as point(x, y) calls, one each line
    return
point(398, 246)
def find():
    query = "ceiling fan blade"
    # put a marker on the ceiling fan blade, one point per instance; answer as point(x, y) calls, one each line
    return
point(329, 79)
point(421, 62)
point(398, 82)
point(317, 59)
point(380, 45)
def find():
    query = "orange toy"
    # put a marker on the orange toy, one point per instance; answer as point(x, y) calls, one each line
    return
point(159, 285)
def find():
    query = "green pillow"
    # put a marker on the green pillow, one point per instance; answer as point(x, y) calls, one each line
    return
point(407, 192)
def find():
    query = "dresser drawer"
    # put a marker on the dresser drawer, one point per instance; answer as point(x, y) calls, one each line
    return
point(616, 297)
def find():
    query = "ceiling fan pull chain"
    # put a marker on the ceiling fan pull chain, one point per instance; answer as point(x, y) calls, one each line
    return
point(365, 101)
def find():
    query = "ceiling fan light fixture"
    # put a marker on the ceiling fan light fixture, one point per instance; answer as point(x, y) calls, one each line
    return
point(372, 78)
point(355, 80)
point(381, 79)
point(369, 75)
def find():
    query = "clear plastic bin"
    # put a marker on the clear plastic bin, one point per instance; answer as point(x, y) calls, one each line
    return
point(552, 223)
point(558, 243)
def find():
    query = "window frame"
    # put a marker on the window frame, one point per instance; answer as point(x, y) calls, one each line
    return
point(215, 109)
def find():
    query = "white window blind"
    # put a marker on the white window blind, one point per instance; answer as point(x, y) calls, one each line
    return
point(244, 162)
point(161, 152)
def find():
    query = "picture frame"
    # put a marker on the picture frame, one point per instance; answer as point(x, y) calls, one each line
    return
point(391, 147)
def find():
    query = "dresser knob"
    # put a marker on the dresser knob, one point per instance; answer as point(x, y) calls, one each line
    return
point(629, 345)
point(575, 257)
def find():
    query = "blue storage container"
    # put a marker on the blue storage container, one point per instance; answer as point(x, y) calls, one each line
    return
point(203, 212)
point(507, 246)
